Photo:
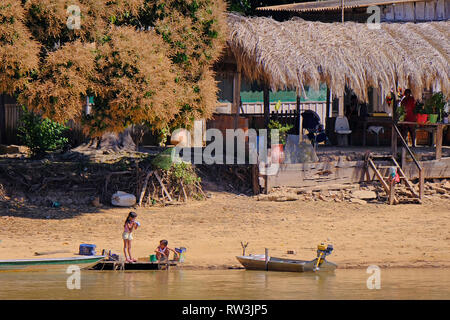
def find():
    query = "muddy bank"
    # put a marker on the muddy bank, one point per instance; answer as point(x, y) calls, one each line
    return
point(407, 235)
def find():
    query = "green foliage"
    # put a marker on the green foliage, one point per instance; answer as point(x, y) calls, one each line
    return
point(401, 113)
point(41, 134)
point(185, 173)
point(435, 104)
point(282, 129)
point(419, 108)
point(144, 61)
point(164, 160)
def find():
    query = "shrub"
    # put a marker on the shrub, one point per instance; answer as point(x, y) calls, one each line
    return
point(185, 173)
point(41, 134)
point(282, 129)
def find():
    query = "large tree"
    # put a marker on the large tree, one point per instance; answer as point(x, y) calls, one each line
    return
point(145, 62)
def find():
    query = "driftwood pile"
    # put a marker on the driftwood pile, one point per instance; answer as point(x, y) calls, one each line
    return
point(235, 178)
point(73, 183)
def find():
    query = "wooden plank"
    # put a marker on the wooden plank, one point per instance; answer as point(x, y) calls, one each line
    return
point(318, 174)
point(144, 187)
point(162, 186)
point(398, 12)
point(388, 13)
point(447, 9)
point(420, 11)
point(431, 169)
point(408, 11)
point(440, 9)
point(380, 177)
point(430, 10)
point(406, 181)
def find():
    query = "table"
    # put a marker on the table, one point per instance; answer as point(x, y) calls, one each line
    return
point(438, 129)
point(376, 120)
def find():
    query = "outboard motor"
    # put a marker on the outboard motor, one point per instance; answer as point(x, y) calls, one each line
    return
point(322, 252)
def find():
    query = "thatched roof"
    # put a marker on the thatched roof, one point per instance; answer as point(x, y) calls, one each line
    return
point(295, 53)
point(331, 5)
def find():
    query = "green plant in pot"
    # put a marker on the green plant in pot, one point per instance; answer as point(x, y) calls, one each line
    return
point(422, 115)
point(282, 130)
point(277, 153)
point(434, 106)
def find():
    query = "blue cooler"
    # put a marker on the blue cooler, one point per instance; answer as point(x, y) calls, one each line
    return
point(87, 249)
point(181, 251)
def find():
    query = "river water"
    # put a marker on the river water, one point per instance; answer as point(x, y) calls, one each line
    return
point(227, 284)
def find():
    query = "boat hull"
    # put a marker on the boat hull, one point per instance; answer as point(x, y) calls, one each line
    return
point(285, 265)
point(49, 263)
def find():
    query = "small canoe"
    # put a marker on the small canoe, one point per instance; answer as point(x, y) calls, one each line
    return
point(258, 262)
point(48, 263)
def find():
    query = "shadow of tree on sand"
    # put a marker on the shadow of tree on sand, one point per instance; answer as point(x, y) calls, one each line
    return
point(31, 211)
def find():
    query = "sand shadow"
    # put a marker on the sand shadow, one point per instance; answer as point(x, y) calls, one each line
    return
point(31, 211)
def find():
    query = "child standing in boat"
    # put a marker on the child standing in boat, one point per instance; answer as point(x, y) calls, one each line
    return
point(129, 225)
point(163, 251)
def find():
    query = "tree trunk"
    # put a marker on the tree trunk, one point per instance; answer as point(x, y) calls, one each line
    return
point(110, 141)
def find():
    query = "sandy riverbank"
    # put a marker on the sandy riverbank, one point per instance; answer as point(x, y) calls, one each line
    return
point(389, 236)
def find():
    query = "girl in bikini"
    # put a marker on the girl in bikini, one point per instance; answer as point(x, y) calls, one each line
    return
point(130, 225)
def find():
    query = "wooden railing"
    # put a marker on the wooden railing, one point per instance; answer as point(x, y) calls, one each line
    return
point(416, 162)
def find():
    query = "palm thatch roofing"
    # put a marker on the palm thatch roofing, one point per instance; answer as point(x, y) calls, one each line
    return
point(331, 5)
point(295, 53)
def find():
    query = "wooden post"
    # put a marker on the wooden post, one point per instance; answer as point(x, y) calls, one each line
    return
point(394, 141)
point(255, 179)
point(300, 125)
point(341, 106)
point(421, 183)
point(403, 158)
point(439, 132)
point(266, 105)
point(236, 96)
point(391, 191)
point(266, 257)
point(343, 2)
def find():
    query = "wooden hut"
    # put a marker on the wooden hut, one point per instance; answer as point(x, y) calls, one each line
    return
point(296, 53)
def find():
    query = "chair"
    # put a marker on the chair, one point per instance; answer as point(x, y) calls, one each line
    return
point(342, 128)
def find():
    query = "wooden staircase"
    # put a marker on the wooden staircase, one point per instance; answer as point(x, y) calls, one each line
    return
point(381, 164)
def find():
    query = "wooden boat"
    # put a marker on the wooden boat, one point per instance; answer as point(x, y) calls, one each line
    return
point(258, 262)
point(48, 263)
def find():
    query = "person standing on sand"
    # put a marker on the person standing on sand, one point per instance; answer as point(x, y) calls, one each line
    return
point(130, 225)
